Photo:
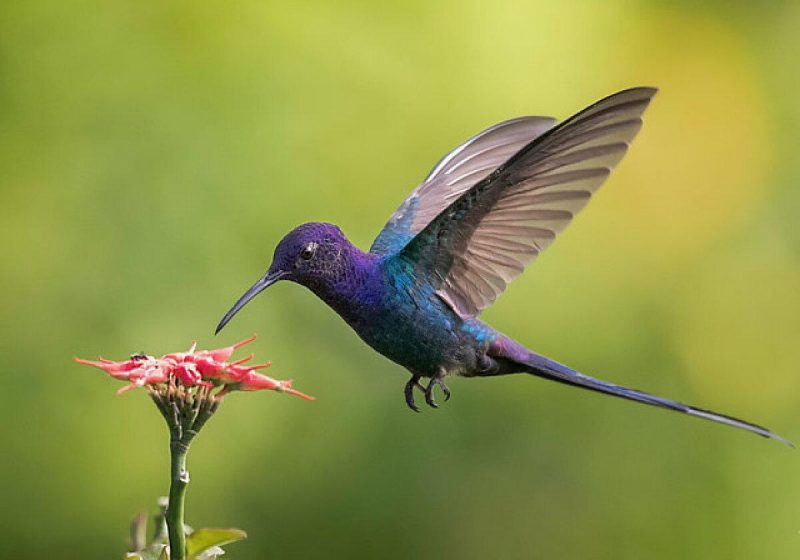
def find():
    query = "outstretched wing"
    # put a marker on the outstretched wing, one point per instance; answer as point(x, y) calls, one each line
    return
point(455, 173)
point(485, 238)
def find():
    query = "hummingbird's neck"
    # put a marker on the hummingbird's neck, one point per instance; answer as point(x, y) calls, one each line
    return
point(350, 283)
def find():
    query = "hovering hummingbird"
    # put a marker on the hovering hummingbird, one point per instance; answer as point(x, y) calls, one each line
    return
point(484, 212)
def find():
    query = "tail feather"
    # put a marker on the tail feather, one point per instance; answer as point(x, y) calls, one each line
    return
point(544, 367)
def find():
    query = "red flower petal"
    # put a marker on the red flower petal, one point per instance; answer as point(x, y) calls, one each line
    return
point(192, 368)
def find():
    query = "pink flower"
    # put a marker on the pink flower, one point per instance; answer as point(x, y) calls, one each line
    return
point(203, 368)
point(252, 381)
point(140, 370)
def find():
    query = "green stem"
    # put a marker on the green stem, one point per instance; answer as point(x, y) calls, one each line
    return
point(185, 413)
point(179, 480)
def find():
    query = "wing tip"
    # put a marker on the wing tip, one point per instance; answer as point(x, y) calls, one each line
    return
point(633, 95)
point(645, 91)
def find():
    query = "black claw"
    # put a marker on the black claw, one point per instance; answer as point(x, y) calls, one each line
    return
point(409, 393)
point(429, 395)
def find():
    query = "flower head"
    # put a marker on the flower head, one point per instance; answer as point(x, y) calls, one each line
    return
point(195, 368)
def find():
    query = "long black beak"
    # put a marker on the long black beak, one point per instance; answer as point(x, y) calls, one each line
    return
point(265, 282)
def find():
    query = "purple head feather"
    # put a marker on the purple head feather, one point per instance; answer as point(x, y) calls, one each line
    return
point(316, 255)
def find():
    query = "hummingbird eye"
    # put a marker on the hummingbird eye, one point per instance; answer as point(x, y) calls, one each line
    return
point(308, 251)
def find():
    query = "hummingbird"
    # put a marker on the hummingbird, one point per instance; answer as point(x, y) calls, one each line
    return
point(485, 211)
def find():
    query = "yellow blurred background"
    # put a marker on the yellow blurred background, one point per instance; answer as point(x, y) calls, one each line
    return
point(152, 154)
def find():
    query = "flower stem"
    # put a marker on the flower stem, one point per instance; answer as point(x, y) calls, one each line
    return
point(185, 411)
point(179, 480)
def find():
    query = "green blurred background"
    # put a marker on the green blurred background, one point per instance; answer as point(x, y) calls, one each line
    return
point(152, 154)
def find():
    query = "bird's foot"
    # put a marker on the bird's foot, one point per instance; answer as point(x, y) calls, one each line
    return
point(409, 392)
point(431, 386)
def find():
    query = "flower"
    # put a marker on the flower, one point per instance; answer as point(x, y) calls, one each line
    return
point(195, 368)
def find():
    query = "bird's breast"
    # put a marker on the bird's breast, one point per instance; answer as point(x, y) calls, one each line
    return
point(411, 326)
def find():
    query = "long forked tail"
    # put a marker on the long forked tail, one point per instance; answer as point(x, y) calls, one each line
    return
point(510, 354)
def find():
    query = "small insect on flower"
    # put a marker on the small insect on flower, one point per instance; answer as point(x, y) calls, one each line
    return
point(195, 368)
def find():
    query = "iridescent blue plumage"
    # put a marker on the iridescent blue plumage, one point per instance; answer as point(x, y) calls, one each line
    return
point(485, 211)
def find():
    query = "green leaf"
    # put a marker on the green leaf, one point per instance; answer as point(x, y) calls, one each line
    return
point(203, 539)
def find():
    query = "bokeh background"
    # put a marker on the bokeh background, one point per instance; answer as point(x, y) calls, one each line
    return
point(153, 153)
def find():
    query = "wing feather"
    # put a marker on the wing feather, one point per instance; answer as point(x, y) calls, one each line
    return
point(490, 231)
point(456, 173)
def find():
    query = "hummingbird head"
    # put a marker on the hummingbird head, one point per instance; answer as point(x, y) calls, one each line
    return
point(316, 255)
